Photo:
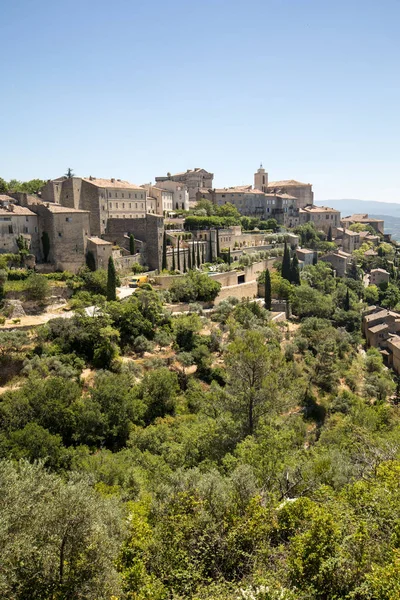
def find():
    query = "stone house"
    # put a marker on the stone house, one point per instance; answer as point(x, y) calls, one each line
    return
point(164, 199)
point(339, 260)
point(68, 230)
point(301, 191)
point(180, 195)
point(101, 250)
point(347, 239)
point(193, 179)
point(323, 217)
point(16, 221)
point(379, 276)
point(305, 256)
point(377, 224)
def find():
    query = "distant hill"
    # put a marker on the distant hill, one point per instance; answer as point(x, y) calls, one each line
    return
point(388, 211)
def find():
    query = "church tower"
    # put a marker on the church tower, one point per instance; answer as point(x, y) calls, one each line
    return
point(261, 179)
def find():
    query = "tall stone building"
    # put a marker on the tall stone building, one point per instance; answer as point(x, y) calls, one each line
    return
point(301, 191)
point(103, 198)
point(16, 221)
point(193, 179)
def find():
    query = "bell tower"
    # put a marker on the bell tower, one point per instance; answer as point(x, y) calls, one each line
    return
point(261, 179)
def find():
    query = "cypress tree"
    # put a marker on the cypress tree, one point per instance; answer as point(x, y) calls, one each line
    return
point(295, 272)
point(346, 304)
point(267, 293)
point(189, 259)
point(218, 251)
point(164, 253)
point(173, 259)
point(229, 256)
point(193, 255)
point(111, 280)
point(198, 255)
point(202, 254)
point(184, 261)
point(132, 245)
point(329, 237)
point(178, 256)
point(286, 267)
point(211, 252)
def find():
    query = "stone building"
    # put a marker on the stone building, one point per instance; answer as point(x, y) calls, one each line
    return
point(101, 250)
point(379, 276)
point(193, 179)
point(16, 221)
point(164, 199)
point(103, 198)
point(180, 194)
point(323, 217)
point(306, 256)
point(68, 230)
point(347, 239)
point(377, 224)
point(149, 230)
point(301, 191)
point(339, 260)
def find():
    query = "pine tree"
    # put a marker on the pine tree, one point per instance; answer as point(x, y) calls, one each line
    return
point(211, 249)
point(346, 304)
point(184, 261)
point(164, 253)
point(286, 267)
point(329, 237)
point(178, 256)
point(218, 250)
point(132, 245)
point(295, 271)
point(111, 280)
point(267, 293)
point(173, 259)
point(198, 255)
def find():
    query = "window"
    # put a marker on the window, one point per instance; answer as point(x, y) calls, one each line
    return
point(135, 203)
point(25, 230)
point(27, 219)
point(123, 195)
point(223, 195)
point(116, 194)
point(69, 220)
point(135, 195)
point(104, 208)
point(10, 229)
point(123, 204)
point(59, 234)
point(130, 204)
point(129, 194)
point(110, 205)
point(116, 205)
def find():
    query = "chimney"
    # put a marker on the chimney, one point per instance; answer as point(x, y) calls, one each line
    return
point(112, 180)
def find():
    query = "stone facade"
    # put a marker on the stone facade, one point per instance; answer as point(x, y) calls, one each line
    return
point(164, 199)
point(103, 198)
point(180, 195)
point(193, 179)
point(347, 239)
point(17, 221)
point(101, 250)
point(323, 217)
point(68, 230)
point(305, 256)
point(301, 191)
point(339, 261)
point(376, 224)
point(379, 276)
point(149, 230)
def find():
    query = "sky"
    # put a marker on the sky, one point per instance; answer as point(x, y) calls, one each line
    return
point(132, 90)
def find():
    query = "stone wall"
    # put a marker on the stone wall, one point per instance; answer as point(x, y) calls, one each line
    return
point(149, 230)
point(242, 290)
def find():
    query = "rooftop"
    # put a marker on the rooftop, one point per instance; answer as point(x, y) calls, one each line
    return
point(17, 211)
point(5, 198)
point(319, 209)
point(96, 240)
point(111, 183)
point(394, 340)
point(380, 271)
point(378, 328)
point(287, 182)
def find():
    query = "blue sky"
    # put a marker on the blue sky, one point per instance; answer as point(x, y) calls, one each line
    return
point(133, 89)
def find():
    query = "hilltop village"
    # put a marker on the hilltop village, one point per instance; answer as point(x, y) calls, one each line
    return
point(199, 392)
